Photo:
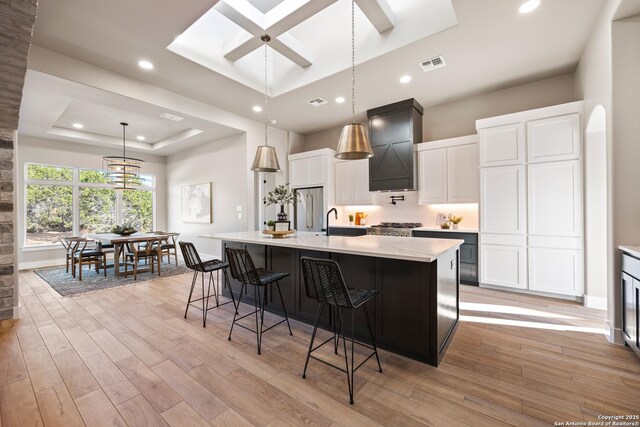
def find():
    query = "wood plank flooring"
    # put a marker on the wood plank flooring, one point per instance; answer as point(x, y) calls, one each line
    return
point(126, 356)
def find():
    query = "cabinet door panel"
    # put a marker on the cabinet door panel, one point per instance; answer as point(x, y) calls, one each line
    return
point(554, 138)
point(502, 195)
point(298, 173)
point(502, 145)
point(344, 183)
point(503, 266)
point(316, 171)
point(462, 174)
point(555, 199)
point(628, 306)
point(282, 260)
point(432, 168)
point(557, 271)
point(361, 194)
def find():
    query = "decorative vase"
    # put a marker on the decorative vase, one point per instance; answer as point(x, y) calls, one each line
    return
point(363, 221)
point(271, 227)
point(282, 215)
point(350, 223)
point(454, 226)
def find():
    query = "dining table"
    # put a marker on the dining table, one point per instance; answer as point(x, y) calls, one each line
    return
point(119, 242)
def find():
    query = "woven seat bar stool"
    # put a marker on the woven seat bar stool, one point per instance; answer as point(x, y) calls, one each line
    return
point(192, 261)
point(243, 270)
point(323, 282)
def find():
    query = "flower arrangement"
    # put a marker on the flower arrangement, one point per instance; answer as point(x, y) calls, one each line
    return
point(455, 219)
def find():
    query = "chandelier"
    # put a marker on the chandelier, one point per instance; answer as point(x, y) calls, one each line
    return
point(123, 172)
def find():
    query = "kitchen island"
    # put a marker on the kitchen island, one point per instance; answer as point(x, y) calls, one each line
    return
point(416, 311)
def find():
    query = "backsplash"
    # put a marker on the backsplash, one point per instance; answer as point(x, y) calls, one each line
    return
point(409, 211)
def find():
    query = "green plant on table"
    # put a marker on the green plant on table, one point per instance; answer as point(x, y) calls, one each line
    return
point(271, 223)
point(350, 218)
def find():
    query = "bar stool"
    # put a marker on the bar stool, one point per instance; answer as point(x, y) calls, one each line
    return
point(323, 282)
point(193, 262)
point(243, 270)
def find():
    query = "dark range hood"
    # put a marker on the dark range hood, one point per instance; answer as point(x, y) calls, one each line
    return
point(393, 129)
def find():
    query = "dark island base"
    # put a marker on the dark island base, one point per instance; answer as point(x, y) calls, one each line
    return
point(416, 311)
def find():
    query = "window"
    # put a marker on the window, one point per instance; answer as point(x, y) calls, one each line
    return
point(62, 201)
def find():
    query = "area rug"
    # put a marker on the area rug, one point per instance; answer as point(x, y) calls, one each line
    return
point(65, 284)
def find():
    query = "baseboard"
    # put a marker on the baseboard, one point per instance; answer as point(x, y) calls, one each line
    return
point(16, 312)
point(40, 264)
point(534, 293)
point(615, 334)
point(598, 303)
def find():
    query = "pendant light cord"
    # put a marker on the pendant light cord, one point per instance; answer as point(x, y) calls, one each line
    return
point(266, 98)
point(353, 62)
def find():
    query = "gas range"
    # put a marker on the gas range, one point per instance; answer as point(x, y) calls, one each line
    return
point(401, 229)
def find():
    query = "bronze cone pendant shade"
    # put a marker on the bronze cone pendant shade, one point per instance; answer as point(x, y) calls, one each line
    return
point(353, 144)
point(265, 160)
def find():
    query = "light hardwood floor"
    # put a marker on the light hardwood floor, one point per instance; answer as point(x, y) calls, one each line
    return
point(126, 356)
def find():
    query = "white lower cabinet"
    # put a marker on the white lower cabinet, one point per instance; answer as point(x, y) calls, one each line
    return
point(503, 265)
point(557, 271)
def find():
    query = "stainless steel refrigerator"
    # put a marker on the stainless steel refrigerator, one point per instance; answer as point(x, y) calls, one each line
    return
point(308, 212)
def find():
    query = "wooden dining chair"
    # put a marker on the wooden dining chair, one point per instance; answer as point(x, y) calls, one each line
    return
point(145, 250)
point(68, 244)
point(169, 245)
point(86, 252)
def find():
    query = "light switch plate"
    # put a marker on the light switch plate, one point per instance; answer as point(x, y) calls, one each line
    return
point(238, 208)
point(240, 215)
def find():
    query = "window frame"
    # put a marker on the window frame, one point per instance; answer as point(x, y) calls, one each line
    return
point(76, 185)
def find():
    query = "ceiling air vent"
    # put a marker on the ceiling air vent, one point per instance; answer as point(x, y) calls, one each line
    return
point(316, 102)
point(171, 117)
point(433, 63)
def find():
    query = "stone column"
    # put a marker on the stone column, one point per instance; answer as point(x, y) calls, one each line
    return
point(16, 29)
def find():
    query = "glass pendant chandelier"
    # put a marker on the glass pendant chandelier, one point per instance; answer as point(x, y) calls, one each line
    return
point(123, 172)
point(266, 159)
point(354, 143)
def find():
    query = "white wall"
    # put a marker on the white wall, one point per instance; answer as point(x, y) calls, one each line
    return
point(46, 151)
point(458, 118)
point(222, 163)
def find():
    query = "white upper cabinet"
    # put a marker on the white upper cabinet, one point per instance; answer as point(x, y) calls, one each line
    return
point(310, 169)
point(462, 174)
point(352, 182)
point(503, 200)
point(448, 171)
point(432, 171)
point(554, 138)
point(502, 145)
point(555, 199)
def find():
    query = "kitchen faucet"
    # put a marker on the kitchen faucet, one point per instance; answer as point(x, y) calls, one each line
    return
point(327, 223)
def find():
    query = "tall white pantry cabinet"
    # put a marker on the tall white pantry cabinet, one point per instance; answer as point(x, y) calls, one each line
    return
point(531, 207)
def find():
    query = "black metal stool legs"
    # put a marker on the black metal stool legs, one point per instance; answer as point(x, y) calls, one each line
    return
point(313, 338)
point(284, 308)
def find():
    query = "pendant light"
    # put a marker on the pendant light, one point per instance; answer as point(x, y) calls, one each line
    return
point(266, 159)
point(123, 172)
point(354, 143)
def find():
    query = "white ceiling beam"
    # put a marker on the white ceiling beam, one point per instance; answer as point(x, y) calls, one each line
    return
point(275, 24)
point(292, 49)
point(379, 13)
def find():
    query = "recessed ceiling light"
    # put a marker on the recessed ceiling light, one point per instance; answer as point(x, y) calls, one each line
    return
point(140, 138)
point(257, 108)
point(145, 65)
point(405, 79)
point(340, 99)
point(529, 6)
point(78, 125)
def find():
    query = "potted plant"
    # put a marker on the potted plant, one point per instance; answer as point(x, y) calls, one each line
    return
point(281, 195)
point(350, 219)
point(455, 220)
point(271, 225)
point(363, 218)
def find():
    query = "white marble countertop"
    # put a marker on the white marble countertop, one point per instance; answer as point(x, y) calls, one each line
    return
point(631, 250)
point(404, 248)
